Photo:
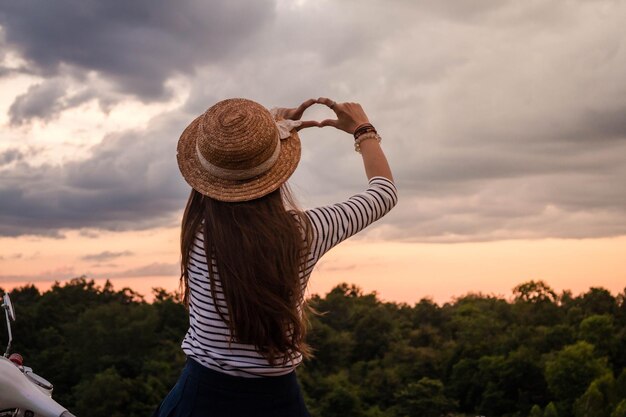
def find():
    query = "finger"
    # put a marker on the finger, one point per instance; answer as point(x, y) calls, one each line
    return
point(329, 122)
point(326, 101)
point(308, 123)
point(302, 107)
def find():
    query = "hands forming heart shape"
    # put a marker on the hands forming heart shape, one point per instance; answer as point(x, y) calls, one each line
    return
point(349, 115)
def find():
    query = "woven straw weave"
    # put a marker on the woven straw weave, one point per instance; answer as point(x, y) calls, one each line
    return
point(236, 135)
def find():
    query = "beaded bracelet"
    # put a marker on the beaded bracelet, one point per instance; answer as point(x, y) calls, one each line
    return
point(365, 136)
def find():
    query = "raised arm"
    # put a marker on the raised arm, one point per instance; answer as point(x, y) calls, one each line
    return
point(337, 222)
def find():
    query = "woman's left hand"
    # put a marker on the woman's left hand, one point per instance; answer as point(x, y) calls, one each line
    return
point(296, 114)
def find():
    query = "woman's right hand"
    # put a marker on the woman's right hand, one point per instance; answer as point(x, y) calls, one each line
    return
point(349, 115)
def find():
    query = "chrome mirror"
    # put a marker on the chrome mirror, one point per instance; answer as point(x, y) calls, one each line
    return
point(10, 314)
point(6, 304)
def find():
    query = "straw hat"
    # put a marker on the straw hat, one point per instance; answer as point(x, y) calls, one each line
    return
point(238, 150)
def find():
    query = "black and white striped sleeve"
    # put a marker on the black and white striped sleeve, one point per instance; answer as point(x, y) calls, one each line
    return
point(335, 223)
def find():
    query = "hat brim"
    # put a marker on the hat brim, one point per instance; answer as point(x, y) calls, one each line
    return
point(235, 190)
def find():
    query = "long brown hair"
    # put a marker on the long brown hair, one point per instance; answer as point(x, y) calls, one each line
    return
point(259, 249)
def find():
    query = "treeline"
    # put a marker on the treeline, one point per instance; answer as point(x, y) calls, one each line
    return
point(542, 354)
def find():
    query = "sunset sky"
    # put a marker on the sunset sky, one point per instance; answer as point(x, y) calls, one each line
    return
point(504, 122)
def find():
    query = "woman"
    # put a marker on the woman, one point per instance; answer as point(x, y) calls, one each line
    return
point(246, 312)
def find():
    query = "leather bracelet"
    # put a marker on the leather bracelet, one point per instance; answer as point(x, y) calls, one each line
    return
point(362, 128)
point(363, 125)
point(364, 131)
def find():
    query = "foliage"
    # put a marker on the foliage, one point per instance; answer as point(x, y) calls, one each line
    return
point(424, 398)
point(535, 411)
point(551, 410)
point(620, 410)
point(110, 353)
point(570, 371)
point(534, 292)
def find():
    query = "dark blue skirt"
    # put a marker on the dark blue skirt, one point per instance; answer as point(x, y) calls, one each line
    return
point(201, 391)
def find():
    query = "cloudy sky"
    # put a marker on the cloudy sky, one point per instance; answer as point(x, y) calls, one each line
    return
point(504, 122)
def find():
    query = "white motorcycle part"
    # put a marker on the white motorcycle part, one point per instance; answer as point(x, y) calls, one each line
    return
point(16, 391)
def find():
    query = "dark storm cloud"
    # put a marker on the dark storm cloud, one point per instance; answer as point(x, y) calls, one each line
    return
point(40, 101)
point(9, 155)
point(136, 45)
point(501, 120)
point(130, 182)
point(494, 131)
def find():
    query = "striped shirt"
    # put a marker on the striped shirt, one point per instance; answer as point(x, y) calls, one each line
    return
point(207, 339)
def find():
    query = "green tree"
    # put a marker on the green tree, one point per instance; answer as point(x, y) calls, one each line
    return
point(557, 337)
point(373, 359)
point(620, 410)
point(332, 347)
point(599, 331)
point(425, 398)
point(534, 292)
point(535, 411)
point(536, 304)
point(342, 400)
point(591, 404)
point(466, 384)
point(118, 335)
point(519, 382)
point(551, 410)
point(570, 371)
point(620, 385)
point(108, 394)
point(606, 386)
point(373, 333)
point(598, 301)
point(479, 323)
point(379, 382)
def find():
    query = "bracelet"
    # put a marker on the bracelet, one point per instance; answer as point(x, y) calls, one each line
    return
point(365, 136)
point(364, 131)
point(363, 128)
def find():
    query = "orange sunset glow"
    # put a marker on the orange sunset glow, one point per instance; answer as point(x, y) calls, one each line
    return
point(403, 272)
